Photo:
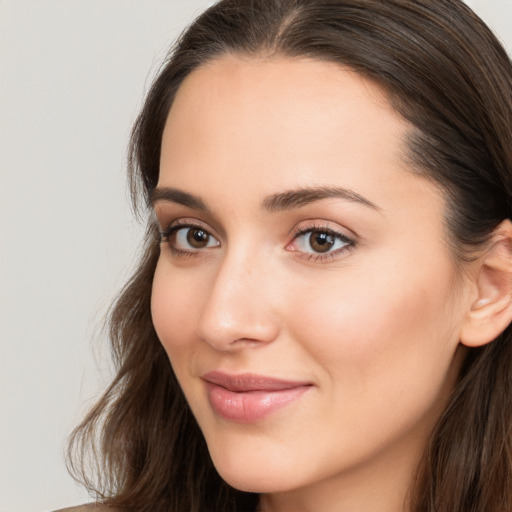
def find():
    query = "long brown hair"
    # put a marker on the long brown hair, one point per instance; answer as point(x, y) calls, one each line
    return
point(447, 74)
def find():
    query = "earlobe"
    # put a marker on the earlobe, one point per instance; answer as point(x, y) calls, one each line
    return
point(491, 312)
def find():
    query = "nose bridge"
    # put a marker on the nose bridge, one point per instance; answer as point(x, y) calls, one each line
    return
point(238, 307)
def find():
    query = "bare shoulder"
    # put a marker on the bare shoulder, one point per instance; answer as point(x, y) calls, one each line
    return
point(90, 507)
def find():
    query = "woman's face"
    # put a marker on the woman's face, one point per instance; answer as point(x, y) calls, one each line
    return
point(305, 292)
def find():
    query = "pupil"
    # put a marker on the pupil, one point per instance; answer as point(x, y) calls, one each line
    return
point(321, 241)
point(197, 238)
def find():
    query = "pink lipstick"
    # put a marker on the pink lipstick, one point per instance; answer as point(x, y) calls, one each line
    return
point(247, 397)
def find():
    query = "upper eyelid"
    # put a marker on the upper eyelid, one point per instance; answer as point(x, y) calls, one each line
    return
point(299, 229)
point(187, 222)
point(325, 225)
point(327, 229)
point(349, 240)
point(165, 217)
point(164, 209)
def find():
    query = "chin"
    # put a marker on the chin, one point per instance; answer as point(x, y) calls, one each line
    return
point(255, 474)
point(260, 483)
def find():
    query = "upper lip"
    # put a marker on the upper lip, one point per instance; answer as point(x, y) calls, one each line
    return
point(250, 382)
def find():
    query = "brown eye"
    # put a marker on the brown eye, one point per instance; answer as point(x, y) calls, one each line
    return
point(197, 238)
point(320, 241)
point(191, 239)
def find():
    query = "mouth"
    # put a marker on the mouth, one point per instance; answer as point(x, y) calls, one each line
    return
point(247, 398)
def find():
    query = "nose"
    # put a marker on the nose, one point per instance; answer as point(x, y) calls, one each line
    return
point(238, 310)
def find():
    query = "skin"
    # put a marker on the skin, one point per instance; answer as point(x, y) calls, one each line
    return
point(374, 327)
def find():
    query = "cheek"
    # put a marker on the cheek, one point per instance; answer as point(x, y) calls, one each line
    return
point(381, 335)
point(386, 351)
point(173, 309)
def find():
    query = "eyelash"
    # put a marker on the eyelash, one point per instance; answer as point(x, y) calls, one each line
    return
point(176, 226)
point(316, 257)
point(349, 243)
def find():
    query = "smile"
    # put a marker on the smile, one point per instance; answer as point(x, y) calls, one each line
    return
point(247, 398)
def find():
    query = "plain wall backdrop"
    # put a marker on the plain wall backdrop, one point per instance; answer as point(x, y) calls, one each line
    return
point(72, 77)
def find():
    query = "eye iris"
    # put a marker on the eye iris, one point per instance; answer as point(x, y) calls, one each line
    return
point(197, 238)
point(321, 241)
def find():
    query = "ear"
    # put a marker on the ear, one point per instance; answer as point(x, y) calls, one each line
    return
point(491, 312)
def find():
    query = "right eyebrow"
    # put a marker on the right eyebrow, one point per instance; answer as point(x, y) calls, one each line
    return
point(174, 195)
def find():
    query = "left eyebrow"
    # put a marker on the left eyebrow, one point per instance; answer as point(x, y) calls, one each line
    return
point(300, 197)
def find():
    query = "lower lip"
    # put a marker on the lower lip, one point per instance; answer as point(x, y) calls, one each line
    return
point(250, 406)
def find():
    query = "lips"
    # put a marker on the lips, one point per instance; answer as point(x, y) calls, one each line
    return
point(248, 397)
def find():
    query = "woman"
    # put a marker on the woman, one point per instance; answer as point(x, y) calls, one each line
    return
point(320, 320)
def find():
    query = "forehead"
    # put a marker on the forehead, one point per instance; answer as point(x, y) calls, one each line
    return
point(267, 124)
point(234, 97)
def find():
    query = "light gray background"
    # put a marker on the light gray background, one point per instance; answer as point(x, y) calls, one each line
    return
point(72, 77)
